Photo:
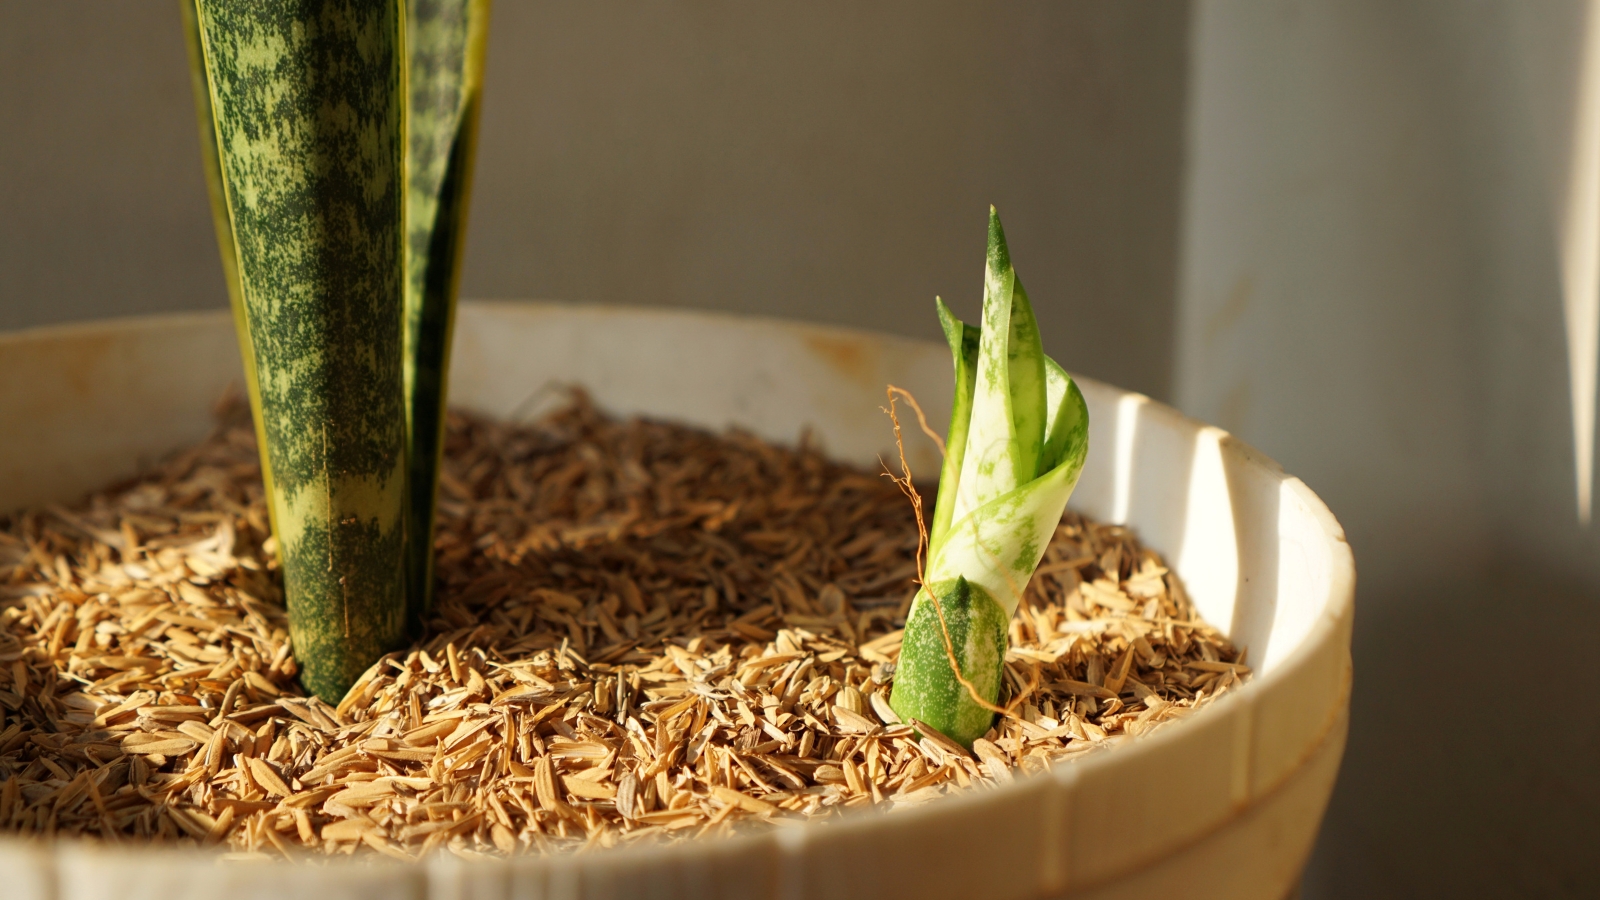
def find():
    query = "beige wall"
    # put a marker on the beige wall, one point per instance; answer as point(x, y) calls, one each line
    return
point(829, 161)
point(1371, 293)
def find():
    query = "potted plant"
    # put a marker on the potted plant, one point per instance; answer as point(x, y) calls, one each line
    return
point(339, 289)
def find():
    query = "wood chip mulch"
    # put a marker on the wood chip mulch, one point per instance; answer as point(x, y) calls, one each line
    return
point(644, 630)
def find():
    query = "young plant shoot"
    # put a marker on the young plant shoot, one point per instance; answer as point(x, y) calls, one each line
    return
point(1019, 431)
point(337, 137)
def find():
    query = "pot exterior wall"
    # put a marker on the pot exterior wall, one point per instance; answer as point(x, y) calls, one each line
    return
point(1225, 804)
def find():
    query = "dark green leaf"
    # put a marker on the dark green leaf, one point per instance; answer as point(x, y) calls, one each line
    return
point(445, 41)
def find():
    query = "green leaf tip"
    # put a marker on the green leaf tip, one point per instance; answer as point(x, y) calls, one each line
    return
point(952, 326)
point(962, 338)
point(999, 256)
point(1067, 431)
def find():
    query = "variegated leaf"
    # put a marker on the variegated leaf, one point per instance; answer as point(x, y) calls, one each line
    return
point(309, 115)
point(963, 341)
point(223, 227)
point(445, 40)
point(999, 544)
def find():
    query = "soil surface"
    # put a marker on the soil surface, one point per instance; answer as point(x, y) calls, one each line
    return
point(644, 630)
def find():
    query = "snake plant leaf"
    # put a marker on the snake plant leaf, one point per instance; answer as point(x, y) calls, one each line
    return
point(1017, 443)
point(445, 42)
point(993, 552)
point(224, 231)
point(963, 340)
point(307, 101)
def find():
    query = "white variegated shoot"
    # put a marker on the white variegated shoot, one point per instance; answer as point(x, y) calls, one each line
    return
point(1016, 444)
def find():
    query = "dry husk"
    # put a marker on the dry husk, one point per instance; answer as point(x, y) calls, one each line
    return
point(644, 631)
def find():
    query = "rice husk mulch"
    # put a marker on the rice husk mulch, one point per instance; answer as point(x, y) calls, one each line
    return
point(643, 630)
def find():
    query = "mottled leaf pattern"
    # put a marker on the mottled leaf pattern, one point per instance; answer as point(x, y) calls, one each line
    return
point(931, 693)
point(999, 544)
point(1008, 407)
point(307, 99)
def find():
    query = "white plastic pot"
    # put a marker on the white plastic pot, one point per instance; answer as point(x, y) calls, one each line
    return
point(1225, 804)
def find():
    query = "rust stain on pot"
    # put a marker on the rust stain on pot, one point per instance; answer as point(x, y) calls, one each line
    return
point(86, 355)
point(855, 359)
point(50, 375)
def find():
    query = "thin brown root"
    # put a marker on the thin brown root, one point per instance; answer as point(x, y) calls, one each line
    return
point(922, 420)
point(903, 482)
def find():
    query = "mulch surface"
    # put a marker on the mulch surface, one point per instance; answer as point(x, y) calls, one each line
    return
point(644, 630)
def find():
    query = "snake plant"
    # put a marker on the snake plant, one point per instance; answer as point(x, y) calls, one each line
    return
point(337, 136)
point(1018, 435)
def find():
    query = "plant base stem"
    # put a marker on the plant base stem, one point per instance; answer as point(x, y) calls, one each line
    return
point(926, 687)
